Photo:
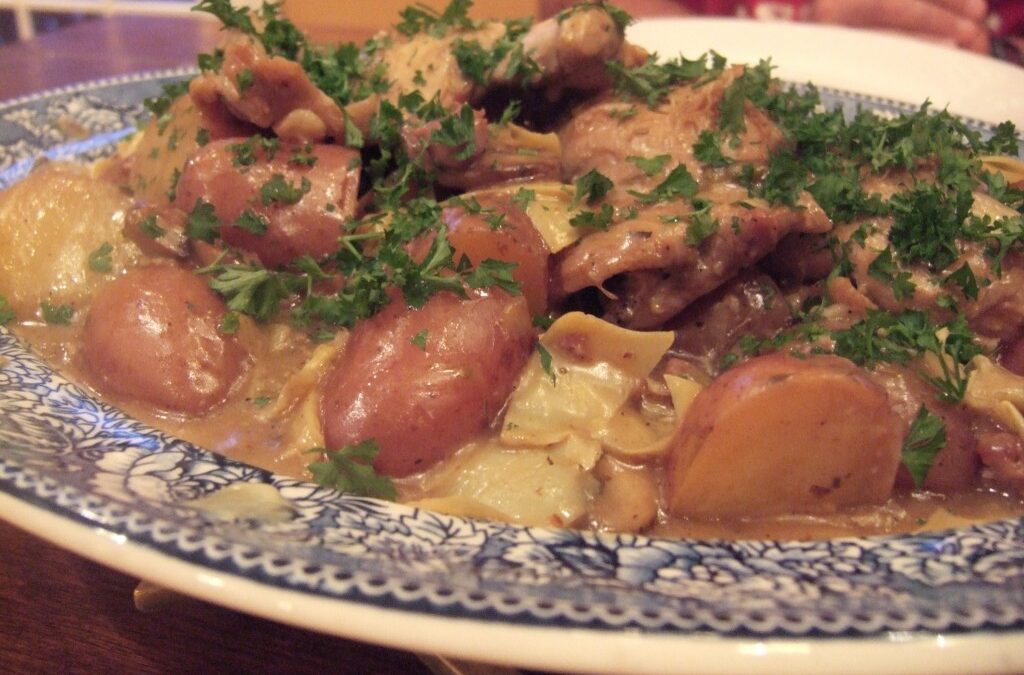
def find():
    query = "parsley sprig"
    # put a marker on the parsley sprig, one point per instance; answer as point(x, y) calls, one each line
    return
point(350, 469)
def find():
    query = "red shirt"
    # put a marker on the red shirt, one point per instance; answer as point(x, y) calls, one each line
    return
point(1007, 16)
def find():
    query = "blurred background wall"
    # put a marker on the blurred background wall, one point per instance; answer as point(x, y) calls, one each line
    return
point(22, 19)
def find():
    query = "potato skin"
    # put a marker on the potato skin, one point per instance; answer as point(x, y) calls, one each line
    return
point(306, 227)
point(779, 434)
point(420, 405)
point(515, 240)
point(153, 335)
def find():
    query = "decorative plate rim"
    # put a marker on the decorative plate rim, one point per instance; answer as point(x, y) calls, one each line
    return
point(104, 528)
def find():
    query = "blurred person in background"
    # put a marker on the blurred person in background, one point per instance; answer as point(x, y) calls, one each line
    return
point(978, 25)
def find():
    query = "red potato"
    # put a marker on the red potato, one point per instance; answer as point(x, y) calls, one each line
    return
point(153, 335)
point(422, 404)
point(779, 434)
point(514, 240)
point(310, 226)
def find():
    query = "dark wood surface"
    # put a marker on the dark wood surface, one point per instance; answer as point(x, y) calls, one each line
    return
point(61, 613)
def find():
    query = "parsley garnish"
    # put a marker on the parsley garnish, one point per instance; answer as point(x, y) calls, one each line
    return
point(651, 81)
point(230, 324)
point(59, 315)
point(708, 150)
point(202, 222)
point(149, 226)
point(420, 339)
point(6, 312)
point(701, 226)
point(458, 131)
point(422, 19)
point(598, 220)
point(592, 187)
point(650, 165)
point(244, 80)
point(252, 222)
point(884, 268)
point(99, 260)
point(279, 191)
point(545, 362)
point(678, 183)
point(524, 197)
point(350, 469)
point(900, 338)
point(924, 441)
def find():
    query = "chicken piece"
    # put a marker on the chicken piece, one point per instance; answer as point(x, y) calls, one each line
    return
point(750, 304)
point(663, 270)
point(569, 51)
point(572, 48)
point(597, 137)
point(997, 311)
point(278, 96)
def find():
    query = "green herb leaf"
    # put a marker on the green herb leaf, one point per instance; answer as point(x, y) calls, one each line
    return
point(650, 165)
point(596, 220)
point(99, 260)
point(592, 187)
point(545, 362)
point(701, 226)
point(708, 150)
point(150, 227)
point(59, 315)
point(7, 314)
point(230, 324)
point(420, 339)
point(927, 436)
point(678, 183)
point(350, 470)
point(279, 191)
point(252, 222)
point(202, 222)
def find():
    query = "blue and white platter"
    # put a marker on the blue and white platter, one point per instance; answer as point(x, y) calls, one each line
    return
point(80, 473)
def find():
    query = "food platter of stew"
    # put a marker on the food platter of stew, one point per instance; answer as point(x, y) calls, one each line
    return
point(518, 341)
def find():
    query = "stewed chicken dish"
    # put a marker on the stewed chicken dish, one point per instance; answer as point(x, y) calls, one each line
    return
point(527, 271)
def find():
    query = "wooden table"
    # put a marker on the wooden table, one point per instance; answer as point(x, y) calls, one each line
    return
point(61, 613)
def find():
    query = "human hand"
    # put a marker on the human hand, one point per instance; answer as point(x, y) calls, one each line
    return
point(959, 22)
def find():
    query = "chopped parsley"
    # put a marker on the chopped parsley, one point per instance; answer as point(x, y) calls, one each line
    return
point(230, 324)
point(350, 470)
point(150, 227)
point(252, 222)
point(202, 222)
point(652, 80)
point(924, 441)
point(279, 191)
point(700, 227)
point(592, 186)
point(678, 183)
point(900, 338)
point(545, 362)
point(99, 260)
point(524, 197)
point(420, 339)
point(708, 150)
point(597, 220)
point(59, 315)
point(650, 166)
point(7, 314)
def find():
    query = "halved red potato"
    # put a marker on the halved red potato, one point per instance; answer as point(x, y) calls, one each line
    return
point(309, 226)
point(780, 434)
point(153, 335)
point(502, 231)
point(424, 382)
